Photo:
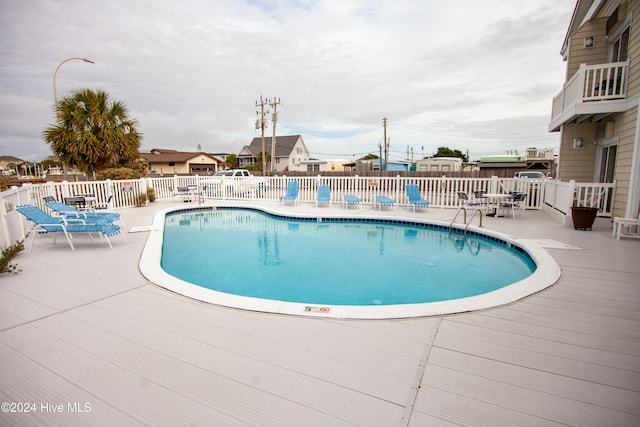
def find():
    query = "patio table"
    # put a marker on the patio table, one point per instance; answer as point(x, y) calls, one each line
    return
point(495, 200)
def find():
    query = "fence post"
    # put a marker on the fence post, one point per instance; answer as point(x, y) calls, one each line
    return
point(64, 190)
point(494, 184)
point(4, 225)
point(583, 91)
point(570, 200)
point(143, 189)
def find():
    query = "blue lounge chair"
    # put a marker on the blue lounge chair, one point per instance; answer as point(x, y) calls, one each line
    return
point(413, 194)
point(324, 195)
point(45, 223)
point(350, 199)
point(88, 217)
point(292, 192)
point(385, 201)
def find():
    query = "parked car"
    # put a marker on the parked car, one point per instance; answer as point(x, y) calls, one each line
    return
point(232, 182)
point(530, 175)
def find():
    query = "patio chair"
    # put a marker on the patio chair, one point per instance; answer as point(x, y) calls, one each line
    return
point(324, 195)
point(517, 202)
point(385, 201)
point(78, 202)
point(292, 193)
point(104, 206)
point(45, 223)
point(479, 198)
point(413, 195)
point(463, 198)
point(88, 217)
point(622, 227)
point(350, 199)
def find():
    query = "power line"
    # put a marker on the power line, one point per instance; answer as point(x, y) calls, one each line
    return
point(329, 134)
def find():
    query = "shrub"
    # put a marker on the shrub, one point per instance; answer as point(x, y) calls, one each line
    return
point(141, 200)
point(118, 173)
point(151, 194)
point(8, 254)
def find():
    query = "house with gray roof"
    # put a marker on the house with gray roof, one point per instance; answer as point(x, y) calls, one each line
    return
point(290, 153)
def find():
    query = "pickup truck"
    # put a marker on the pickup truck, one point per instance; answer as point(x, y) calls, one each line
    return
point(232, 183)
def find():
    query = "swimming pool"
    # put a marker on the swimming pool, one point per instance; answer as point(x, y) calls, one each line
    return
point(280, 264)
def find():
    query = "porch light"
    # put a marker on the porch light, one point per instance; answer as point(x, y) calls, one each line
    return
point(578, 143)
point(589, 42)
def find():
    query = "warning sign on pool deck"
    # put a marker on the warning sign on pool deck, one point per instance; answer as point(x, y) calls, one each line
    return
point(315, 309)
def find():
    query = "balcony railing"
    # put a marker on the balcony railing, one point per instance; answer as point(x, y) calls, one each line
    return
point(585, 92)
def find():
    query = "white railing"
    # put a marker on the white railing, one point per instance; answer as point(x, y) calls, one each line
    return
point(441, 192)
point(561, 196)
point(604, 81)
point(601, 82)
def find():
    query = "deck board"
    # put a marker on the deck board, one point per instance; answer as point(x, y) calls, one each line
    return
point(85, 326)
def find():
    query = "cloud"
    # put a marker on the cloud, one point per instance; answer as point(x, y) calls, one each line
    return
point(192, 71)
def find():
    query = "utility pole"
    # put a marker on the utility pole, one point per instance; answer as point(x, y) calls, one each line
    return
point(260, 123)
point(386, 146)
point(274, 103)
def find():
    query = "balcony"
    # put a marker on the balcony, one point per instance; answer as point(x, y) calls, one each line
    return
point(594, 92)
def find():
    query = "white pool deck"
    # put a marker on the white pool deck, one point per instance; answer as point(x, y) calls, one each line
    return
point(85, 339)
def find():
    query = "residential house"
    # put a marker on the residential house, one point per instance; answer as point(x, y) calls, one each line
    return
point(503, 162)
point(290, 153)
point(9, 165)
point(363, 166)
point(596, 111)
point(172, 162)
point(439, 164)
point(316, 165)
point(542, 159)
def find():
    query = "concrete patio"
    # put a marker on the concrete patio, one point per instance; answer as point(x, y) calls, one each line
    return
point(85, 339)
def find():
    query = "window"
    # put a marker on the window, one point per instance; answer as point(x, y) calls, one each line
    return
point(619, 47)
point(172, 163)
point(612, 21)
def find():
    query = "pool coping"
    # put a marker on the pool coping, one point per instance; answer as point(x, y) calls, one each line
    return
point(547, 274)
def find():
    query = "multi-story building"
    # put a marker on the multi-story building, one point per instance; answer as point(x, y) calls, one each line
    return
point(597, 109)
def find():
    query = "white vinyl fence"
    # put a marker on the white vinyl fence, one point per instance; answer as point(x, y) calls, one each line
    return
point(441, 192)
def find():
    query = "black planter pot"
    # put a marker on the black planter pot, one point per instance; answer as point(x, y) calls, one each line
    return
point(583, 218)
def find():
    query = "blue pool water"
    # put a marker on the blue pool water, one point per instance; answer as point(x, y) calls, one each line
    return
point(250, 253)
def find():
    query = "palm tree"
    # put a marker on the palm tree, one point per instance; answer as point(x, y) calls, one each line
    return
point(231, 161)
point(92, 132)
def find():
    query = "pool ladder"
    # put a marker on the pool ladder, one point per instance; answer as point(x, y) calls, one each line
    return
point(466, 227)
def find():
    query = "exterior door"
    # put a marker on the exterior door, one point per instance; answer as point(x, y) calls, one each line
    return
point(607, 163)
point(607, 170)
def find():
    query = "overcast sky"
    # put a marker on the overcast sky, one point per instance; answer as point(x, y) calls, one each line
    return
point(467, 74)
